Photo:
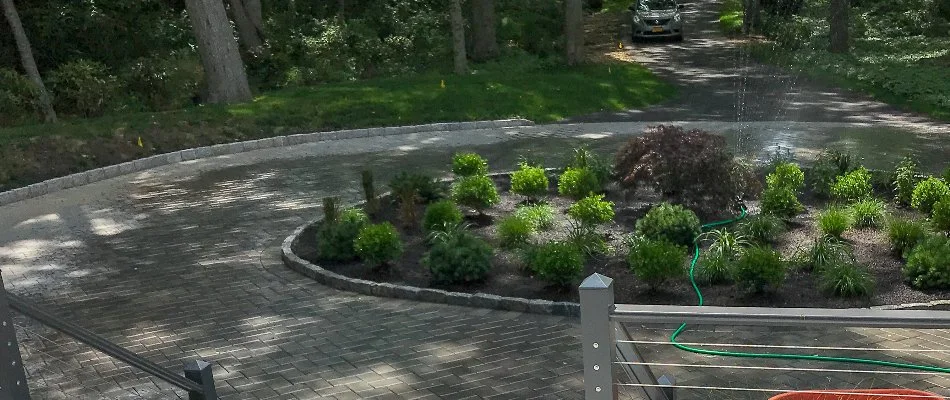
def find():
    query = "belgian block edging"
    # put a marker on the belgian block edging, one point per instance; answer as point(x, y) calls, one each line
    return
point(112, 171)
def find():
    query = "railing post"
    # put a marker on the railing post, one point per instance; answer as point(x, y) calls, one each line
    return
point(200, 372)
point(13, 384)
point(597, 300)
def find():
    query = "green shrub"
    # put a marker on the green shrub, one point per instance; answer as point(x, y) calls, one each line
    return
point(758, 269)
point(713, 269)
point(477, 192)
point(669, 222)
point(869, 213)
point(905, 180)
point(826, 252)
point(946, 176)
point(165, 82)
point(928, 193)
point(335, 239)
point(941, 214)
point(84, 88)
point(541, 216)
point(592, 210)
point(457, 256)
point(847, 280)
point(786, 175)
point(583, 158)
point(928, 265)
point(762, 229)
point(828, 166)
point(834, 221)
point(724, 243)
point(905, 234)
point(441, 214)
point(578, 183)
point(781, 202)
point(854, 186)
point(19, 99)
point(656, 261)
point(514, 231)
point(426, 188)
point(528, 181)
point(469, 164)
point(378, 244)
point(559, 263)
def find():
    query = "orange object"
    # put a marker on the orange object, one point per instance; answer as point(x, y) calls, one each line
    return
point(859, 394)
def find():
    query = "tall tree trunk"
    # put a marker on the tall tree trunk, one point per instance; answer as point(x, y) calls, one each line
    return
point(485, 44)
point(341, 8)
point(458, 37)
point(224, 70)
point(838, 21)
point(752, 16)
point(574, 31)
point(250, 25)
point(26, 58)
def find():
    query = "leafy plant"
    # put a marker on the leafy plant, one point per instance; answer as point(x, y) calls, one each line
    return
point(427, 189)
point(591, 211)
point(941, 214)
point(713, 269)
point(758, 269)
point(335, 236)
point(457, 256)
point(854, 186)
point(656, 261)
point(84, 87)
point(905, 234)
point(669, 222)
point(928, 265)
point(441, 214)
point(540, 216)
point(469, 164)
point(19, 98)
point(847, 280)
point(869, 213)
point(781, 202)
point(531, 182)
point(587, 240)
point(724, 243)
point(559, 263)
point(905, 180)
point(583, 158)
point(928, 193)
point(762, 229)
point(477, 192)
point(826, 252)
point(834, 221)
point(578, 183)
point(828, 166)
point(514, 231)
point(369, 192)
point(378, 244)
point(786, 175)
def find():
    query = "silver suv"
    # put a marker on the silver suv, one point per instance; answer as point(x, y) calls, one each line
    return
point(657, 18)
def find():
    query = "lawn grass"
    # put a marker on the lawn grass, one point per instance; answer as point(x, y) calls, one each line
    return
point(730, 16)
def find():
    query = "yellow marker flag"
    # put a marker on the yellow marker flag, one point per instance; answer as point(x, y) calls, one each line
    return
point(620, 45)
point(442, 84)
point(140, 142)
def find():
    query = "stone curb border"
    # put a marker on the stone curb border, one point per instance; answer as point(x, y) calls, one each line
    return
point(112, 171)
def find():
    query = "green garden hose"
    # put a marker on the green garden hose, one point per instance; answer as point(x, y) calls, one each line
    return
point(787, 356)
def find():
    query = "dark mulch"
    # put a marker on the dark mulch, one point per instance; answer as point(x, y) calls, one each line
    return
point(508, 276)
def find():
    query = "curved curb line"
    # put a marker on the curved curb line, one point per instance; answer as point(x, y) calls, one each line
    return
point(112, 171)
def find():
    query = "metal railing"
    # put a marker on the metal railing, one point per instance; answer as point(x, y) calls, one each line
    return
point(602, 322)
point(197, 379)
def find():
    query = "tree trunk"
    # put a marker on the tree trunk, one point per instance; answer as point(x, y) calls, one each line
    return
point(458, 37)
point(341, 7)
point(574, 31)
point(224, 70)
point(250, 26)
point(752, 16)
point(26, 58)
point(838, 21)
point(485, 44)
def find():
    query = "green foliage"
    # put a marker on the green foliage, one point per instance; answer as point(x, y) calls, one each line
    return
point(540, 216)
point(854, 186)
point(335, 239)
point(781, 202)
point(457, 256)
point(582, 157)
point(928, 193)
point(578, 183)
point(84, 88)
point(477, 192)
point(514, 231)
point(469, 164)
point(786, 175)
point(656, 261)
point(834, 221)
point(762, 229)
point(587, 240)
point(531, 182)
point(847, 280)
point(905, 234)
point(724, 243)
point(827, 252)
point(378, 244)
point(535, 26)
point(669, 222)
point(441, 214)
point(558, 263)
point(905, 180)
point(592, 210)
point(829, 165)
point(941, 214)
point(928, 265)
point(869, 213)
point(165, 82)
point(426, 188)
point(946, 175)
point(713, 269)
point(19, 100)
point(758, 269)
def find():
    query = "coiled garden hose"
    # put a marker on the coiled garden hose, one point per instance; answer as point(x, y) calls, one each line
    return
point(786, 356)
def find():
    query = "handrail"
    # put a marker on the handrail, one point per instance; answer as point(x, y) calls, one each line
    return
point(99, 343)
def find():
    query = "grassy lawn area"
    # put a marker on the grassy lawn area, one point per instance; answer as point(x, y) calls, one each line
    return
point(730, 16)
point(35, 152)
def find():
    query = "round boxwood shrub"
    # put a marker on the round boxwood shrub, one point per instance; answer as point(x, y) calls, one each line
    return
point(672, 223)
point(787, 175)
point(531, 182)
point(441, 214)
point(854, 186)
point(477, 192)
point(592, 210)
point(941, 214)
point(514, 231)
point(656, 261)
point(458, 256)
point(558, 263)
point(578, 183)
point(378, 244)
point(335, 238)
point(469, 164)
point(781, 202)
point(759, 269)
point(928, 266)
point(928, 193)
